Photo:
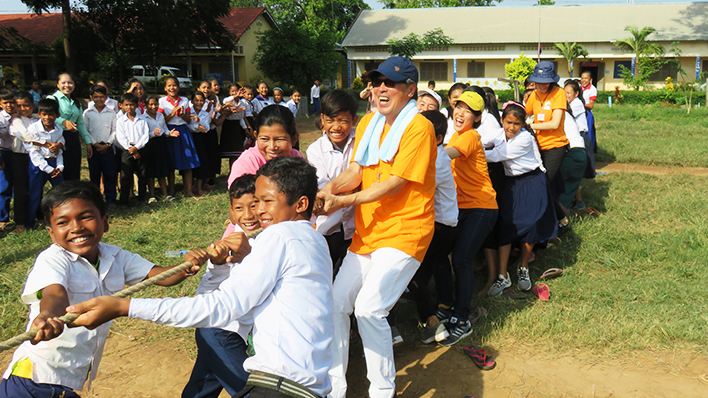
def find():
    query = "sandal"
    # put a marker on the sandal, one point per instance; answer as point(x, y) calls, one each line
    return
point(591, 211)
point(542, 291)
point(479, 357)
point(513, 295)
point(551, 273)
point(476, 314)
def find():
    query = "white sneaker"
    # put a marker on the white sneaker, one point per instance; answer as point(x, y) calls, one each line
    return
point(524, 281)
point(499, 285)
point(396, 336)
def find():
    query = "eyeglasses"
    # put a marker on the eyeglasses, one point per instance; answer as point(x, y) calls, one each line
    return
point(387, 82)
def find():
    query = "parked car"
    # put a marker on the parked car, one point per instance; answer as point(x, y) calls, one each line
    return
point(147, 74)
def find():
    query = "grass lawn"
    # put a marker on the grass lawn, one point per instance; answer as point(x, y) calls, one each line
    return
point(652, 135)
point(634, 277)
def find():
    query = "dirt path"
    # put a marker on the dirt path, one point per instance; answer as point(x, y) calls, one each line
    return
point(655, 170)
point(159, 370)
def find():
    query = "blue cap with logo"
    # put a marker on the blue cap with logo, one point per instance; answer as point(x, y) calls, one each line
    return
point(398, 69)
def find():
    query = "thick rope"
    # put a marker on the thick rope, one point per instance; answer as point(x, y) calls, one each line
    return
point(69, 318)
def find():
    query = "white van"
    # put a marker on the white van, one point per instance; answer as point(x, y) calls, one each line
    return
point(147, 75)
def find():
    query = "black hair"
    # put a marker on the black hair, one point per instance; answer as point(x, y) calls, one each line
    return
point(454, 87)
point(130, 97)
point(247, 87)
point(517, 111)
point(296, 91)
point(431, 83)
point(172, 78)
point(48, 105)
point(338, 101)
point(243, 185)
point(69, 190)
point(276, 114)
point(262, 82)
point(527, 91)
point(101, 81)
point(438, 120)
point(584, 72)
point(294, 178)
point(97, 89)
point(72, 96)
point(490, 103)
point(478, 123)
point(198, 93)
point(576, 88)
point(24, 95)
point(204, 81)
point(6, 95)
point(135, 80)
point(150, 97)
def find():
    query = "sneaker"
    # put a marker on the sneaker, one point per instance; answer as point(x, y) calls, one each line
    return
point(579, 205)
point(152, 200)
point(458, 331)
point(499, 285)
point(170, 198)
point(443, 314)
point(524, 281)
point(396, 336)
point(434, 333)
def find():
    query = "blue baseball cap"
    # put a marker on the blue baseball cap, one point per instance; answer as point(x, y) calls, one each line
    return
point(398, 69)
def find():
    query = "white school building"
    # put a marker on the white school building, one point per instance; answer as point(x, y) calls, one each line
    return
point(487, 38)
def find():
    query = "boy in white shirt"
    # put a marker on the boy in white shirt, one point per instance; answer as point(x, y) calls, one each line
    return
point(222, 351)
point(283, 281)
point(132, 134)
point(73, 269)
point(44, 142)
point(20, 159)
point(100, 121)
point(7, 103)
point(330, 155)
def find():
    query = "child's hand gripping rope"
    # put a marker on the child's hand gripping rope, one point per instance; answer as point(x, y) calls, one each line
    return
point(198, 256)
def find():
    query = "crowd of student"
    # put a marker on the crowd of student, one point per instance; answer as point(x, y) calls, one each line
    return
point(391, 200)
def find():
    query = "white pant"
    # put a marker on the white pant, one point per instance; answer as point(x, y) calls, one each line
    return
point(369, 285)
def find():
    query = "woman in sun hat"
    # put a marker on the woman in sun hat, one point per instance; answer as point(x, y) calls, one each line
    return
point(548, 104)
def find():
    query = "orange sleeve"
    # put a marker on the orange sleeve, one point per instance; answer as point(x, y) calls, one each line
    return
point(416, 151)
point(465, 144)
point(529, 104)
point(559, 101)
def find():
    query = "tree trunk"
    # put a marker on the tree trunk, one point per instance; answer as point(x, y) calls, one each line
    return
point(66, 24)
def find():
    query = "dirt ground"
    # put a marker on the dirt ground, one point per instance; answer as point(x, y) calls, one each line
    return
point(131, 368)
point(655, 170)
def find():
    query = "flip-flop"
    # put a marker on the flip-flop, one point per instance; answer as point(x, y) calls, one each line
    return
point(479, 357)
point(591, 211)
point(542, 291)
point(513, 294)
point(476, 314)
point(551, 273)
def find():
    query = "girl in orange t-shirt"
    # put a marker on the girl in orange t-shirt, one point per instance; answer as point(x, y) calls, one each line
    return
point(476, 201)
point(548, 104)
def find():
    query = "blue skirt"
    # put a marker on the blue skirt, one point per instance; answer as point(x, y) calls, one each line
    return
point(182, 148)
point(527, 213)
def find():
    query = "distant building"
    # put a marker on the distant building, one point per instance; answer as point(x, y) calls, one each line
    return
point(487, 38)
point(200, 63)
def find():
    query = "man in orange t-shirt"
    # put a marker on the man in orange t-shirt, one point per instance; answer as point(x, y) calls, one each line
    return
point(395, 219)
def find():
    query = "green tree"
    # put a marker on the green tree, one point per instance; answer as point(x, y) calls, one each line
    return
point(545, 3)
point(571, 52)
point(39, 6)
point(281, 60)
point(436, 3)
point(412, 44)
point(520, 69)
point(649, 56)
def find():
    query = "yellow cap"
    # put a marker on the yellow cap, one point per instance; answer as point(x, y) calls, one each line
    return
point(473, 100)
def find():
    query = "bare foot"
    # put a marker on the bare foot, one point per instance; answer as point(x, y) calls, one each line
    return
point(485, 290)
point(20, 229)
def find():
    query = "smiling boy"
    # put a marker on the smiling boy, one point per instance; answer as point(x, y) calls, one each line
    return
point(73, 269)
point(284, 282)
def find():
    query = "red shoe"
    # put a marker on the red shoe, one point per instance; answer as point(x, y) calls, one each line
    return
point(479, 357)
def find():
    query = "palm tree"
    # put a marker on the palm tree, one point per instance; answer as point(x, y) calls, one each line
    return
point(638, 43)
point(571, 52)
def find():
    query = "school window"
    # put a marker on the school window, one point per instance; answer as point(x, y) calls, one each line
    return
point(619, 66)
point(475, 69)
point(663, 73)
point(433, 71)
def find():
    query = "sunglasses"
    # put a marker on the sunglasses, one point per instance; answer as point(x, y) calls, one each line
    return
point(387, 82)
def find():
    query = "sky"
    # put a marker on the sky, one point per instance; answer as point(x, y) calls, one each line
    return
point(16, 6)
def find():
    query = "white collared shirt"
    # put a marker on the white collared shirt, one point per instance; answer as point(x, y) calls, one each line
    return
point(158, 123)
point(286, 284)
point(5, 137)
point(446, 211)
point(314, 93)
point(450, 126)
point(330, 163)
point(204, 120)
point(110, 104)
point(578, 109)
point(293, 107)
point(259, 103)
point(166, 107)
point(572, 132)
point(68, 359)
point(519, 154)
point(39, 154)
point(488, 128)
point(132, 132)
point(101, 125)
point(239, 102)
point(18, 129)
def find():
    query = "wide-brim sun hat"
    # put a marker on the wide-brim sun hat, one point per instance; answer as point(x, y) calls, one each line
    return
point(544, 72)
point(398, 69)
point(473, 100)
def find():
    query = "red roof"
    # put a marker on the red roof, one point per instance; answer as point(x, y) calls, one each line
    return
point(44, 29)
